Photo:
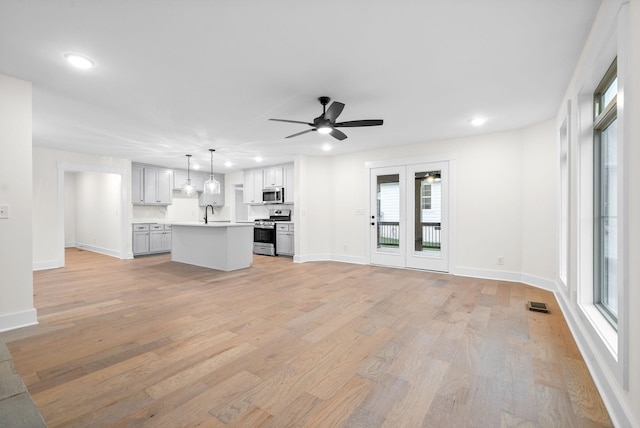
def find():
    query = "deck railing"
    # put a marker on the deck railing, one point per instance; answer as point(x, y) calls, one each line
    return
point(389, 234)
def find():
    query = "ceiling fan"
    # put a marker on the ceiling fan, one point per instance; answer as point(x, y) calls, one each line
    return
point(326, 122)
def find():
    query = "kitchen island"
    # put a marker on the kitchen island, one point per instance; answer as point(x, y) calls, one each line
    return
point(218, 245)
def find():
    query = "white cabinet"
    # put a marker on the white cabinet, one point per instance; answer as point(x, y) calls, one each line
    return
point(215, 200)
point(255, 180)
point(288, 184)
point(272, 177)
point(151, 238)
point(252, 189)
point(150, 185)
point(284, 239)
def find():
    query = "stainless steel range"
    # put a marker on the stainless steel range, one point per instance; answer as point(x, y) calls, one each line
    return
point(264, 231)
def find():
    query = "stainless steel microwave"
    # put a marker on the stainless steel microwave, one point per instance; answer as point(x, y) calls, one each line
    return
point(274, 195)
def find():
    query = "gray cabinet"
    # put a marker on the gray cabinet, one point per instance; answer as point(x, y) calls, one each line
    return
point(140, 239)
point(150, 185)
point(137, 184)
point(159, 238)
point(157, 186)
point(197, 179)
point(151, 238)
point(284, 239)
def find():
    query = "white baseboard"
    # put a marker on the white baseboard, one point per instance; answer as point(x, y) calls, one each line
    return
point(612, 394)
point(18, 319)
point(343, 258)
point(49, 264)
point(105, 251)
point(312, 258)
point(501, 275)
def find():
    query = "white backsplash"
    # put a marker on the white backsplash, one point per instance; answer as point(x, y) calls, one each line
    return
point(262, 211)
point(182, 209)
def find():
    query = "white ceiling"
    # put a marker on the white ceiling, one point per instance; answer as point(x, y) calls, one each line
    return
point(176, 77)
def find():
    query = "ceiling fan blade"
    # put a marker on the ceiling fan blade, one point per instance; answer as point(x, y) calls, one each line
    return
point(292, 121)
point(334, 111)
point(300, 133)
point(352, 123)
point(336, 133)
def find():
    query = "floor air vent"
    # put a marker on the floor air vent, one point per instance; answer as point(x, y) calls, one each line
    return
point(538, 307)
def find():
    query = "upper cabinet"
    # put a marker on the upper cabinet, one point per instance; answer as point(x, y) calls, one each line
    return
point(255, 180)
point(215, 200)
point(198, 178)
point(137, 184)
point(151, 185)
point(272, 177)
point(252, 189)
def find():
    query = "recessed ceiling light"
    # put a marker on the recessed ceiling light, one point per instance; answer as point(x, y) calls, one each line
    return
point(195, 166)
point(258, 158)
point(79, 61)
point(228, 164)
point(326, 147)
point(478, 121)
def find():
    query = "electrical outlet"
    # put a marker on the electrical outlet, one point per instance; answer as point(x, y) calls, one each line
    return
point(4, 211)
point(500, 260)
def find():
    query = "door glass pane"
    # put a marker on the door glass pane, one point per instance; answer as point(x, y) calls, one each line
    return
point(388, 213)
point(428, 215)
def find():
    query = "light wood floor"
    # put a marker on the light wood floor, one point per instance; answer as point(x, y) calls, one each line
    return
point(150, 342)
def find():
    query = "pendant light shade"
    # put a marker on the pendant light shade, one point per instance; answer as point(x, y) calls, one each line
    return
point(188, 189)
point(212, 186)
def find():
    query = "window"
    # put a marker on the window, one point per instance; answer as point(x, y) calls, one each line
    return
point(425, 196)
point(605, 206)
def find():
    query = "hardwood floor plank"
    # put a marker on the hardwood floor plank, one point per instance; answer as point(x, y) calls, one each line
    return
point(150, 342)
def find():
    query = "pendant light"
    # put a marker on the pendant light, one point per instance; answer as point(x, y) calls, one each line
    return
point(212, 186)
point(187, 188)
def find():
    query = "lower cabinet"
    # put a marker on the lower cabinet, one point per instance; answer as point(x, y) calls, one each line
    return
point(151, 239)
point(284, 239)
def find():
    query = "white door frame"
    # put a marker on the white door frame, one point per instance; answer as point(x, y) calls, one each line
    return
point(450, 158)
point(125, 222)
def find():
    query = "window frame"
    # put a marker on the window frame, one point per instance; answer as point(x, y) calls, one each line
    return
point(603, 117)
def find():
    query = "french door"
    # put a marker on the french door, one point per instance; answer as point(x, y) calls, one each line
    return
point(409, 216)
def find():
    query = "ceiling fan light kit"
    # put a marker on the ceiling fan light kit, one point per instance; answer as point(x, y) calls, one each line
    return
point(326, 122)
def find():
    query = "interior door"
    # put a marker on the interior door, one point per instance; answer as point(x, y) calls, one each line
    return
point(427, 228)
point(387, 212)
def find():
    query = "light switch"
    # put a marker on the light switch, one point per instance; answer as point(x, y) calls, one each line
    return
point(4, 211)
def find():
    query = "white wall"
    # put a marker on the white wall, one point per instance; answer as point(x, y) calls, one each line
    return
point(49, 168)
point(16, 278)
point(491, 198)
point(539, 201)
point(612, 357)
point(97, 212)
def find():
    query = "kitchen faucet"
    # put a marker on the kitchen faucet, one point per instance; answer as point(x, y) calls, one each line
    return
point(206, 210)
